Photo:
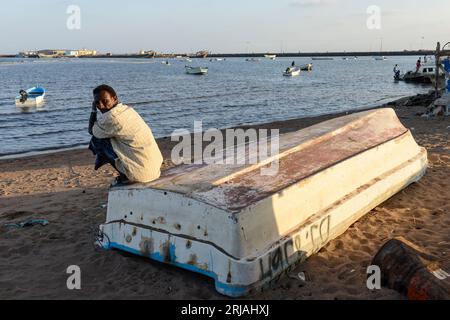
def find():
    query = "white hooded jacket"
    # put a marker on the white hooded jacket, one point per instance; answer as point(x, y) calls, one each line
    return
point(138, 154)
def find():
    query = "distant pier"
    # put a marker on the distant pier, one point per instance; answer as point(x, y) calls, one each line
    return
point(261, 54)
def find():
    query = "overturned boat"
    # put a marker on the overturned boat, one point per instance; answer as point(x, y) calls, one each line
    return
point(243, 228)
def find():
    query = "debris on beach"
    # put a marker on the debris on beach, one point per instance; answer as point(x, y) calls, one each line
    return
point(27, 223)
point(301, 276)
point(410, 270)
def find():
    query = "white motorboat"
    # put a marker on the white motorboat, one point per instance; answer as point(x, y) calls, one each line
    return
point(425, 74)
point(270, 56)
point(292, 72)
point(196, 70)
point(31, 97)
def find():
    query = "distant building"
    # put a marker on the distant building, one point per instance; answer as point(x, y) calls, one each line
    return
point(86, 52)
point(148, 53)
point(50, 53)
point(202, 54)
point(56, 53)
point(28, 53)
point(71, 53)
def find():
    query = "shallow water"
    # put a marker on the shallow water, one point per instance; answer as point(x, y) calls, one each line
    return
point(234, 92)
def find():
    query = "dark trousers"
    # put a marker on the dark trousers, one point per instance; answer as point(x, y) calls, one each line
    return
point(104, 151)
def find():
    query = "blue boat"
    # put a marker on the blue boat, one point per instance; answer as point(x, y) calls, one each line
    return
point(30, 97)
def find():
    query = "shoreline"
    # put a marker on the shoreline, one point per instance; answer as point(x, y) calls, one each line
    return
point(404, 53)
point(63, 189)
point(32, 153)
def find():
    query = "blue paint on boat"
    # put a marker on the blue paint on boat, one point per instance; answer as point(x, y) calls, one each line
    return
point(36, 91)
point(224, 288)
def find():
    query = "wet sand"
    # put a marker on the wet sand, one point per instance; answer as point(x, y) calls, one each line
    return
point(63, 188)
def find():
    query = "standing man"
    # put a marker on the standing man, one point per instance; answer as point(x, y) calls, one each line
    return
point(121, 138)
point(418, 64)
point(396, 72)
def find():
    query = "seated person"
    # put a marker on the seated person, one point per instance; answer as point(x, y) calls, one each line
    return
point(121, 138)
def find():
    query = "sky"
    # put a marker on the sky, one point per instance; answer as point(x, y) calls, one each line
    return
point(231, 26)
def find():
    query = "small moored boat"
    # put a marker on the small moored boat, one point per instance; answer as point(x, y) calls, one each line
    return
point(306, 67)
point(292, 72)
point(270, 56)
point(32, 97)
point(196, 70)
point(425, 74)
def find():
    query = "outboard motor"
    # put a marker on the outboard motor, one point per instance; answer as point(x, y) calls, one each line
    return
point(23, 96)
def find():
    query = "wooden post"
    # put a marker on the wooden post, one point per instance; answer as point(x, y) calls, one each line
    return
point(438, 59)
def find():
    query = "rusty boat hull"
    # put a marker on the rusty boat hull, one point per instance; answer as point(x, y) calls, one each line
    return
point(244, 229)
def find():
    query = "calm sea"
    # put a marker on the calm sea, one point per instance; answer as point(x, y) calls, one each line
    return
point(234, 92)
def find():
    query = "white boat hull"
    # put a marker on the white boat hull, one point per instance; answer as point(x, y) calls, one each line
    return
point(292, 73)
point(210, 219)
point(196, 70)
point(32, 100)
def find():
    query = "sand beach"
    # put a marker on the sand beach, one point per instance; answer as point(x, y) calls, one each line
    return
point(63, 188)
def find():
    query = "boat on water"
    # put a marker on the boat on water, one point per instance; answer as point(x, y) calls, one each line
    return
point(166, 62)
point(381, 58)
point(196, 70)
point(292, 72)
point(253, 59)
point(31, 97)
point(306, 67)
point(244, 225)
point(270, 56)
point(426, 74)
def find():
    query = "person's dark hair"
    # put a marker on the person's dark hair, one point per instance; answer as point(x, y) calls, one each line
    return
point(105, 87)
